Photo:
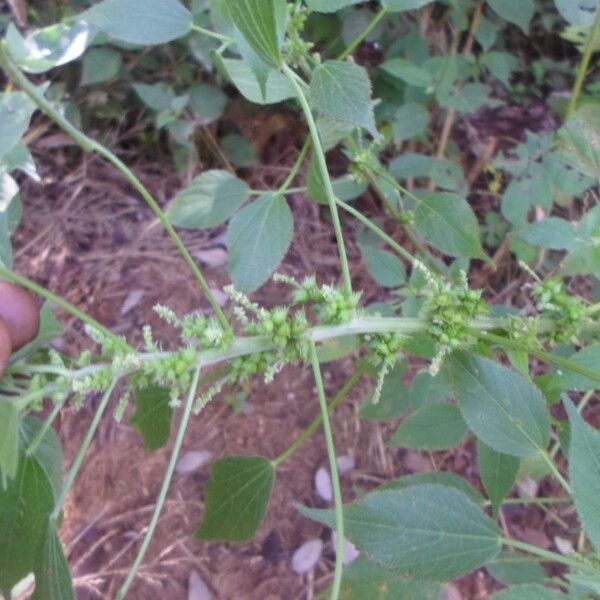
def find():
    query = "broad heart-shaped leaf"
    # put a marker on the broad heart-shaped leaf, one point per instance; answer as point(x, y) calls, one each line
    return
point(432, 427)
point(277, 87)
point(342, 91)
point(447, 222)
point(257, 20)
point(518, 12)
point(9, 438)
point(15, 113)
point(502, 407)
point(209, 201)
point(428, 532)
point(153, 415)
point(366, 579)
point(258, 238)
point(498, 473)
point(143, 22)
point(50, 47)
point(402, 5)
point(584, 472)
point(52, 574)
point(25, 506)
point(529, 592)
point(236, 498)
point(100, 65)
point(579, 13)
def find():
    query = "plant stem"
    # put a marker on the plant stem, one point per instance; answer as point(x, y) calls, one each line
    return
point(377, 231)
point(212, 34)
point(549, 556)
point(322, 163)
point(335, 478)
point(285, 186)
point(82, 451)
point(41, 434)
point(58, 301)
point(583, 67)
point(365, 34)
point(555, 471)
point(547, 356)
point(90, 145)
point(185, 419)
point(312, 428)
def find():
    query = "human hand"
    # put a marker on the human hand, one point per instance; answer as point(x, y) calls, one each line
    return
point(19, 321)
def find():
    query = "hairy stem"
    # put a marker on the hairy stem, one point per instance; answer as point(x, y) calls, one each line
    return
point(322, 164)
point(90, 145)
point(185, 419)
point(335, 478)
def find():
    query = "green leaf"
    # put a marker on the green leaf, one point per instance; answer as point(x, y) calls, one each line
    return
point(511, 568)
point(407, 71)
point(25, 506)
point(153, 415)
point(277, 87)
point(258, 238)
point(502, 407)
point(9, 438)
point(447, 222)
point(257, 20)
point(208, 103)
point(209, 201)
point(16, 110)
point(143, 22)
point(553, 233)
point(402, 5)
point(500, 64)
point(342, 91)
point(385, 268)
point(426, 389)
point(52, 574)
point(344, 188)
point(580, 140)
point(589, 358)
point(445, 478)
point(236, 498)
point(49, 47)
point(100, 65)
point(432, 427)
point(366, 579)
point(239, 150)
point(429, 532)
point(498, 473)
point(584, 471)
point(528, 592)
point(330, 6)
point(394, 398)
point(579, 13)
point(410, 120)
point(518, 12)
point(157, 97)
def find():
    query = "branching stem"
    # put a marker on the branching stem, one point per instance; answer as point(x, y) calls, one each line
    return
point(335, 478)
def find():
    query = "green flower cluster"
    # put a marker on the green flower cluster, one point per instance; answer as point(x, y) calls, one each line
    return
point(385, 348)
point(569, 312)
point(449, 308)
